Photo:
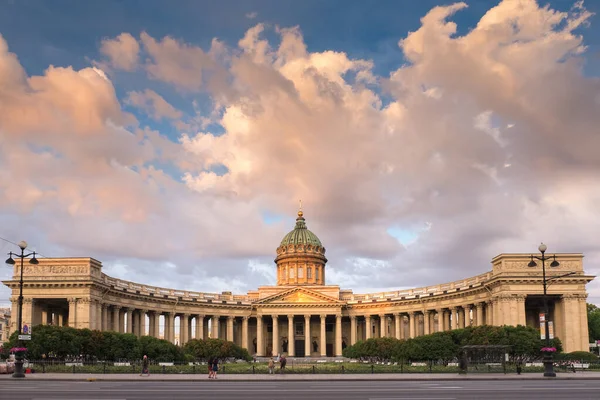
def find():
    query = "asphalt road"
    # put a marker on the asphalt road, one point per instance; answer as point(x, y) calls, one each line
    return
point(367, 390)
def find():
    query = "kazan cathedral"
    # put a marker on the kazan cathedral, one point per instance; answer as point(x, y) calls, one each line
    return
point(303, 315)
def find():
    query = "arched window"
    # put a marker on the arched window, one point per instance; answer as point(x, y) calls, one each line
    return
point(317, 274)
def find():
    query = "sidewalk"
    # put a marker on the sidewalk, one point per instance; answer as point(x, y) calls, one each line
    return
point(304, 377)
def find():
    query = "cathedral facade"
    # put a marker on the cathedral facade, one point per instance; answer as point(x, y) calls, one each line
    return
point(303, 316)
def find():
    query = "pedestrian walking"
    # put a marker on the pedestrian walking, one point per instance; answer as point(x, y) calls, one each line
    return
point(271, 365)
point(215, 367)
point(210, 361)
point(145, 366)
point(282, 363)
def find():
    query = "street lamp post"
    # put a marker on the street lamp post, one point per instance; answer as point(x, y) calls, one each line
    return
point(19, 356)
point(548, 357)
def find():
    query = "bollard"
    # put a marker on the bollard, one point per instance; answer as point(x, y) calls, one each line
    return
point(430, 366)
point(223, 369)
point(372, 369)
point(43, 368)
point(253, 372)
point(104, 367)
point(194, 369)
point(313, 369)
point(342, 369)
point(73, 368)
point(164, 369)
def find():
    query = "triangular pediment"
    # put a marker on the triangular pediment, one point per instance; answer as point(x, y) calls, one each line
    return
point(299, 295)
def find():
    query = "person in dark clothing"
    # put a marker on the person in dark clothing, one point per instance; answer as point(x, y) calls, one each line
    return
point(145, 366)
point(282, 363)
point(215, 367)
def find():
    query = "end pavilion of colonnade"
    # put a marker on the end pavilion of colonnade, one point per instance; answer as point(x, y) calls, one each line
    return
point(302, 316)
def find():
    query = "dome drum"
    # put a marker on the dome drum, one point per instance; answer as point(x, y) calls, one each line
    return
point(300, 257)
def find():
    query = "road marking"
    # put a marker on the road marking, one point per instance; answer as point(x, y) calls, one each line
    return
point(412, 398)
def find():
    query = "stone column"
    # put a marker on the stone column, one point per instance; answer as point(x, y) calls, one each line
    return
point(156, 324)
point(521, 317)
point(105, 317)
point(143, 331)
point(129, 320)
point(151, 317)
point(307, 336)
point(467, 315)
point(323, 345)
point(291, 347)
point(382, 326)
point(245, 332)
point(453, 324)
point(426, 323)
point(168, 326)
point(115, 318)
point(99, 316)
point(460, 317)
point(489, 313)
point(90, 313)
point(260, 345)
point(411, 324)
point(440, 320)
point(72, 318)
point(199, 327)
point(215, 327)
point(397, 325)
point(368, 328)
point(230, 328)
point(583, 321)
point(44, 316)
point(352, 330)
point(479, 314)
point(184, 321)
point(276, 346)
point(61, 321)
point(338, 335)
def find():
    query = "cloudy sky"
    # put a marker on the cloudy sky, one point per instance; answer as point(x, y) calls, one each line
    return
point(172, 141)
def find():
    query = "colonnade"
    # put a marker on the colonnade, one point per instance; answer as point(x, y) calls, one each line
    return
point(266, 334)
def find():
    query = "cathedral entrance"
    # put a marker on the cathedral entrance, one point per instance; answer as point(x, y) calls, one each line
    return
point(329, 349)
point(299, 347)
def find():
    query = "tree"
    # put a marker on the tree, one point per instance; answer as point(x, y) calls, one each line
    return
point(593, 314)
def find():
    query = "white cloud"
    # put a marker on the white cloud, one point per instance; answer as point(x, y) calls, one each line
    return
point(153, 104)
point(122, 51)
point(296, 126)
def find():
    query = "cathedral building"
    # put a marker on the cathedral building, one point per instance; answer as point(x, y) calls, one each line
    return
point(303, 315)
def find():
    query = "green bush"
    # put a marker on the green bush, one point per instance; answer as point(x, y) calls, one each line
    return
point(445, 346)
point(578, 356)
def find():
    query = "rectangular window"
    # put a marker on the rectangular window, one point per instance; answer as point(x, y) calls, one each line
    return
point(300, 272)
point(309, 273)
point(299, 328)
point(292, 273)
point(317, 274)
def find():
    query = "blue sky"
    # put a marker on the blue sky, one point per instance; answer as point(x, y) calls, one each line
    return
point(68, 32)
point(391, 189)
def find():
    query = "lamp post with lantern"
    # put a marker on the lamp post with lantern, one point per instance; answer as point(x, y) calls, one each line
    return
point(548, 355)
point(10, 261)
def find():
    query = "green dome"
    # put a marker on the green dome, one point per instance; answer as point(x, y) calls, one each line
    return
point(301, 235)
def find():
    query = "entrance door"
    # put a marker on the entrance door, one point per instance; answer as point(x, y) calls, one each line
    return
point(329, 349)
point(299, 347)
